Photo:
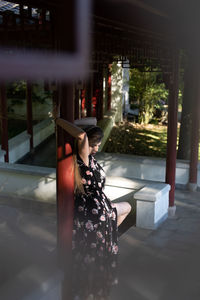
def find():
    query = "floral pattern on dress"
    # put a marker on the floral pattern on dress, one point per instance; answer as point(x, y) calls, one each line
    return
point(95, 238)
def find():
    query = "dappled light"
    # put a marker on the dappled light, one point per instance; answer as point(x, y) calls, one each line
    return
point(131, 138)
point(153, 264)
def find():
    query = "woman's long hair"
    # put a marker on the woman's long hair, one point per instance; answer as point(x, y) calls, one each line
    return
point(95, 135)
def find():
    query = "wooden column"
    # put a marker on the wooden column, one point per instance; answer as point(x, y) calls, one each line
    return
point(77, 104)
point(89, 93)
point(109, 89)
point(65, 176)
point(4, 121)
point(64, 26)
point(172, 129)
point(83, 102)
point(29, 113)
point(194, 150)
point(65, 187)
point(98, 93)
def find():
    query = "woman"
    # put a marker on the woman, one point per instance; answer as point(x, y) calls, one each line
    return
point(95, 237)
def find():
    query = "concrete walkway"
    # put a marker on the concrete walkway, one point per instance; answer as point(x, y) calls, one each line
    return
point(163, 264)
point(154, 265)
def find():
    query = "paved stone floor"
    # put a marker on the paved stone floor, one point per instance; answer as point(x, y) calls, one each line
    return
point(163, 264)
point(153, 265)
point(44, 155)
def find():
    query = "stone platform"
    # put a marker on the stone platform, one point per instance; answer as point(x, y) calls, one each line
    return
point(157, 264)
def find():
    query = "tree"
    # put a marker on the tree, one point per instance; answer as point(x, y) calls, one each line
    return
point(146, 91)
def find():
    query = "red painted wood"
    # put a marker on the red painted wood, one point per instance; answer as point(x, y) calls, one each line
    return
point(77, 104)
point(65, 186)
point(4, 121)
point(29, 113)
point(109, 90)
point(65, 196)
point(172, 129)
point(89, 92)
point(83, 102)
point(64, 39)
point(97, 99)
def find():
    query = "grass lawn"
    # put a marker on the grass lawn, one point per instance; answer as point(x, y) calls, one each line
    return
point(144, 140)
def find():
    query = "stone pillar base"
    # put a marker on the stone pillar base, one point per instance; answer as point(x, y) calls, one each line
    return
point(172, 212)
point(192, 186)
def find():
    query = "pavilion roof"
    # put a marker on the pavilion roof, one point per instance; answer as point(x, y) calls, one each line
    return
point(144, 31)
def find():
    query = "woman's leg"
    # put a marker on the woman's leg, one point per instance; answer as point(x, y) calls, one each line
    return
point(123, 209)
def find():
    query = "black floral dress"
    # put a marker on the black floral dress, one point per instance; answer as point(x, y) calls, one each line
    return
point(95, 238)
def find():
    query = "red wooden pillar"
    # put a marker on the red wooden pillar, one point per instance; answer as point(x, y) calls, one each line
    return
point(109, 89)
point(94, 98)
point(65, 187)
point(4, 121)
point(77, 104)
point(64, 28)
point(29, 113)
point(172, 129)
point(98, 93)
point(89, 92)
point(65, 175)
point(194, 150)
point(83, 102)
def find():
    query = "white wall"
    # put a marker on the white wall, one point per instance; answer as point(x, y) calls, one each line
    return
point(142, 167)
point(125, 88)
point(116, 90)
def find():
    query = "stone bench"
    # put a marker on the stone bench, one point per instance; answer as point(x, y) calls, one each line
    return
point(152, 205)
point(149, 199)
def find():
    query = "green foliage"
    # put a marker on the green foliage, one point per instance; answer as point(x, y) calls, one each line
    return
point(15, 127)
point(39, 94)
point(17, 92)
point(147, 91)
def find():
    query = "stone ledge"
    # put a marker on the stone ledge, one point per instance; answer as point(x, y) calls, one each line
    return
point(117, 181)
point(152, 192)
point(152, 205)
point(151, 199)
point(147, 160)
point(20, 144)
point(27, 169)
point(145, 168)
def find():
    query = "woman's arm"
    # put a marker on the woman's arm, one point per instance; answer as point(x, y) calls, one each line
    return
point(80, 135)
